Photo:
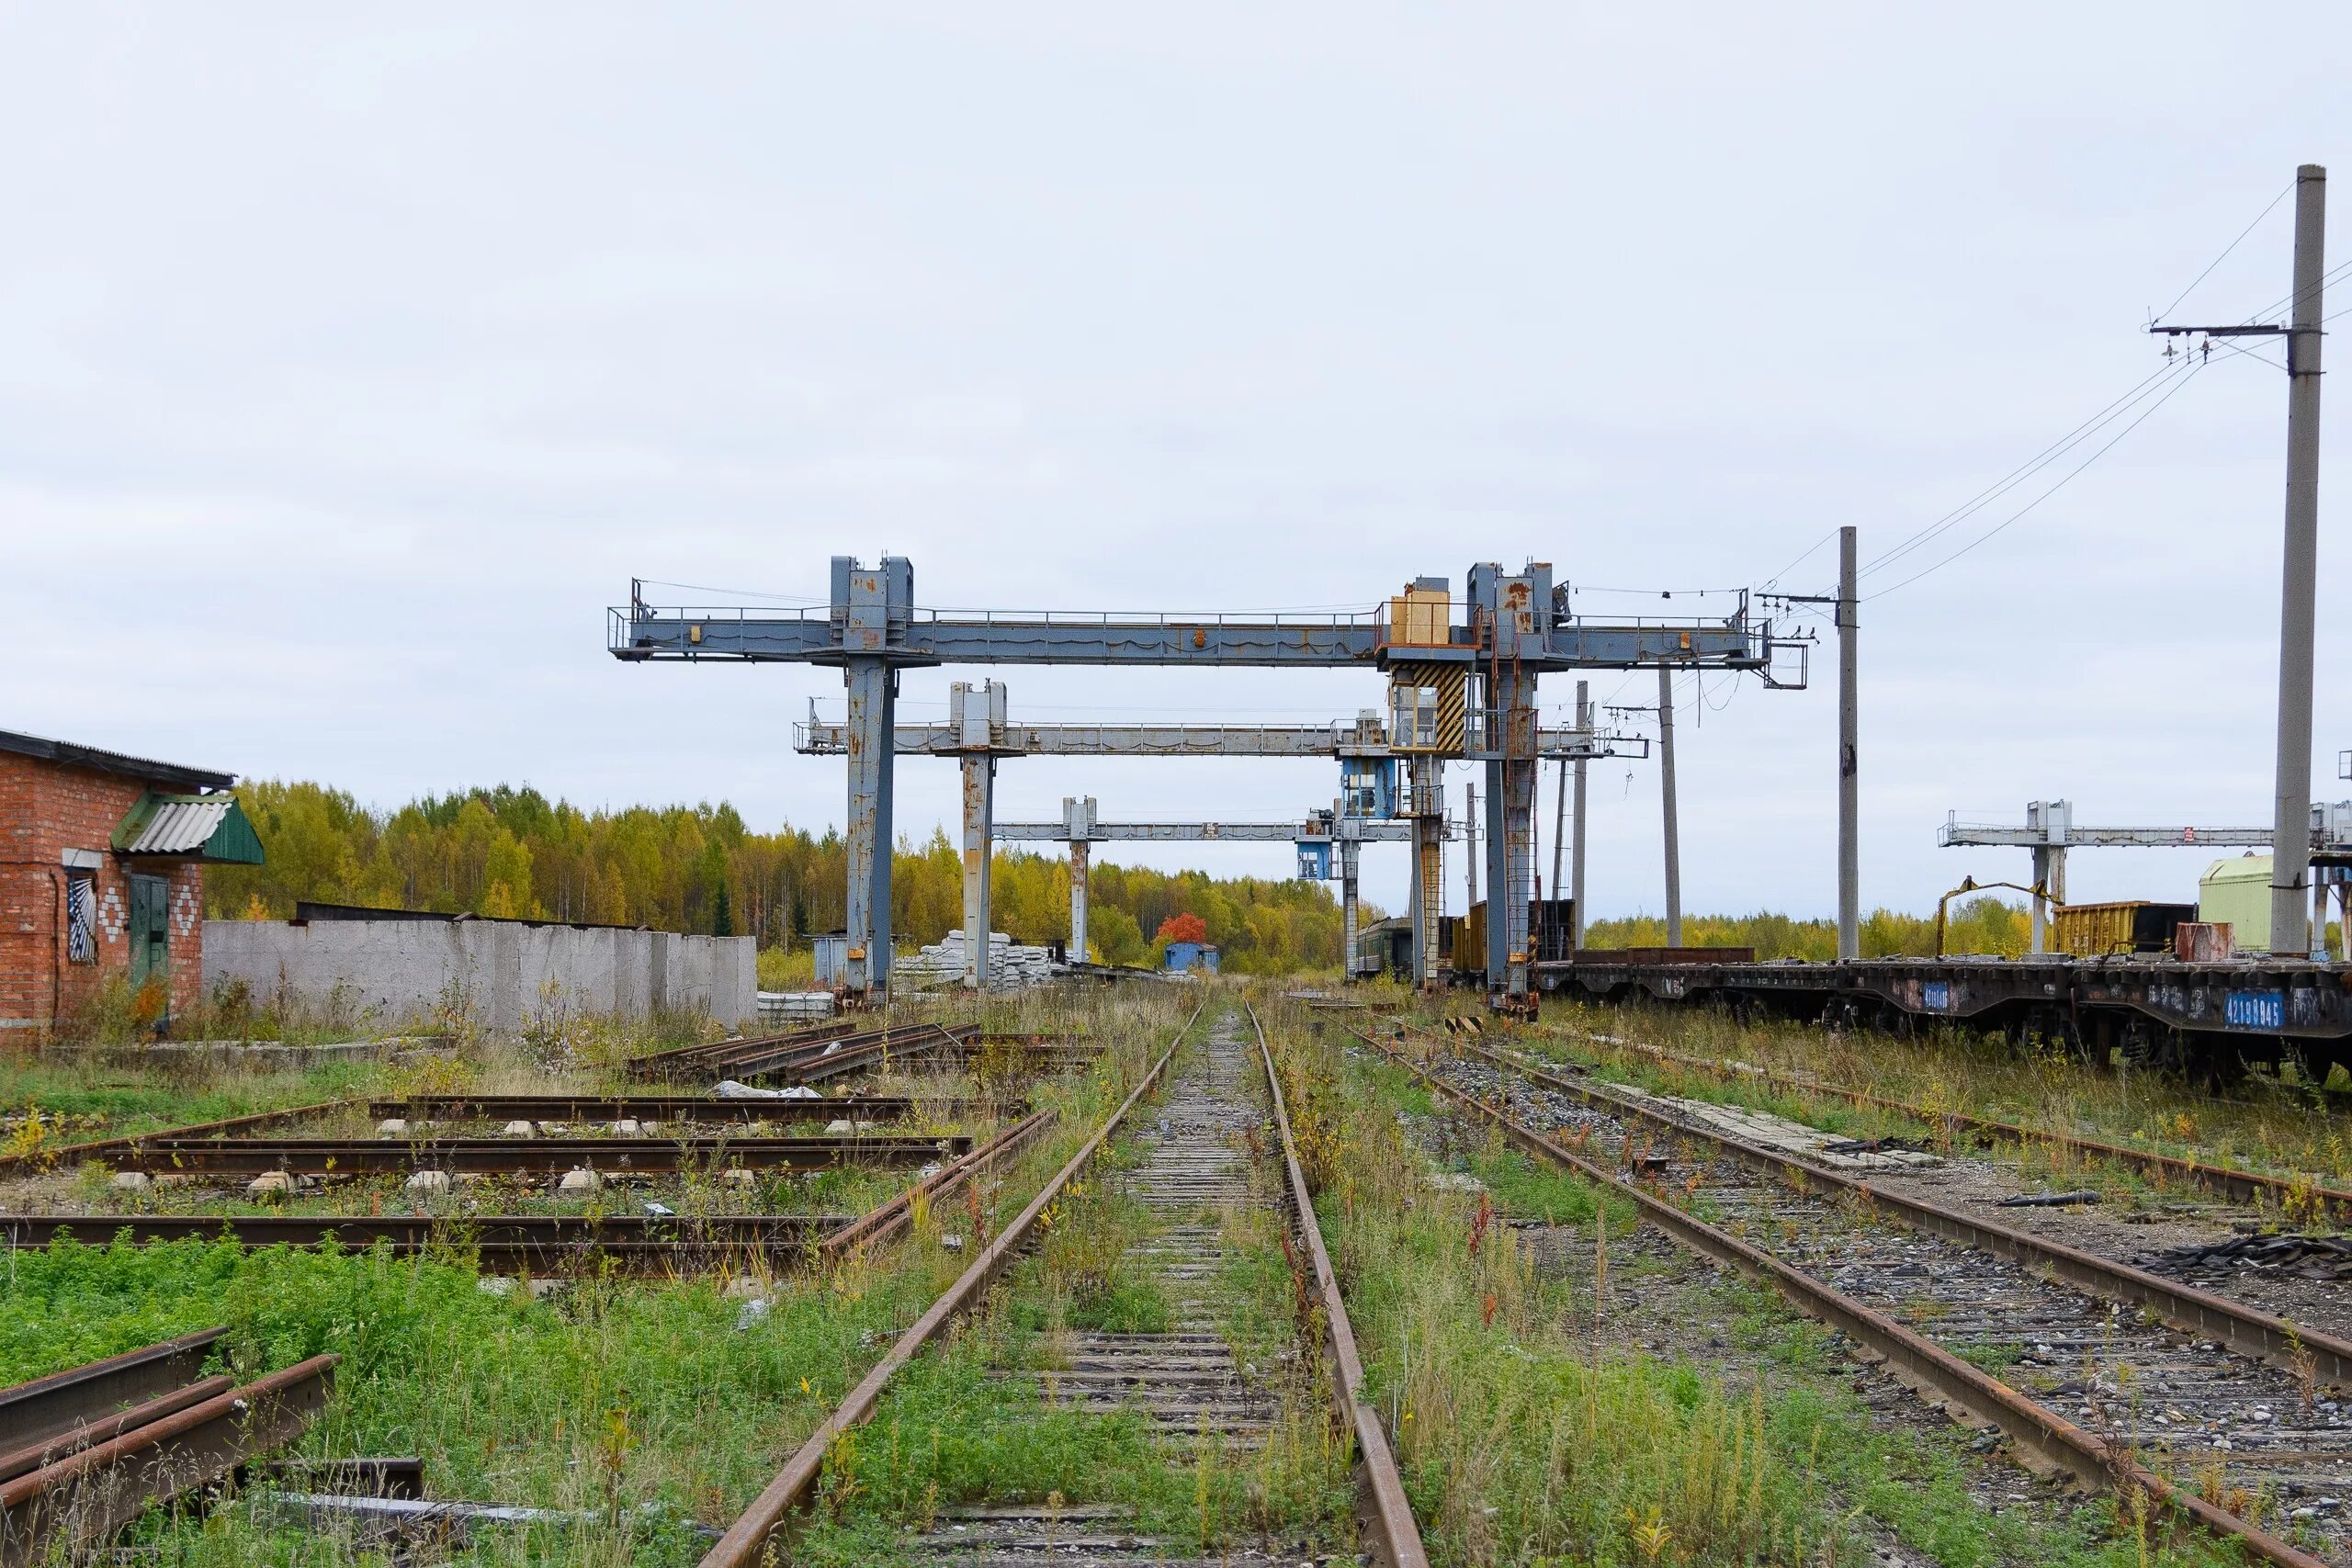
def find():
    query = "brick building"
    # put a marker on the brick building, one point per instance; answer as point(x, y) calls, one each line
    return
point(102, 862)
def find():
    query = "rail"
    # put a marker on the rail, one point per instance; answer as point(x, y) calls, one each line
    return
point(2059, 1442)
point(1382, 1506)
point(746, 1542)
point(2246, 1330)
point(89, 1494)
point(41, 1158)
point(35, 1411)
point(2228, 1180)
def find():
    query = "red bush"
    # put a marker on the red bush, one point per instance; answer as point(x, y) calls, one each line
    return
point(1182, 928)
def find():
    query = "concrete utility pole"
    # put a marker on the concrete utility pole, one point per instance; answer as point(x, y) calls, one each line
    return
point(1666, 789)
point(2290, 862)
point(1849, 790)
point(2290, 855)
point(1559, 831)
point(1470, 842)
point(1575, 873)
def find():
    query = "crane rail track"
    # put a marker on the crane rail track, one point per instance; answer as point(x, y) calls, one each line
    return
point(1184, 1379)
point(1858, 1260)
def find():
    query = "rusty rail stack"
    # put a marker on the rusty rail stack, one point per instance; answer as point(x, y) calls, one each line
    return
point(91, 1448)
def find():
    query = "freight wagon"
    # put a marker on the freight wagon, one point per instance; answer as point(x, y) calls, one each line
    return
point(2207, 1020)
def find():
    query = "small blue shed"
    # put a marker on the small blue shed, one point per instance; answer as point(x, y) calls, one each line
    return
point(1186, 956)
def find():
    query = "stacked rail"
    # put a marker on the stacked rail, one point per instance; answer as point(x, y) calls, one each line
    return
point(91, 1448)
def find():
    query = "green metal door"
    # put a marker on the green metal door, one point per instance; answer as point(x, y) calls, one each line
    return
point(150, 930)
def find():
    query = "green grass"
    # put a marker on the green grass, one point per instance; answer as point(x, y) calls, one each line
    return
point(947, 1433)
point(1528, 1435)
point(649, 1402)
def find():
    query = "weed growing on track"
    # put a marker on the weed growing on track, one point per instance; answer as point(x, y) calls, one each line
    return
point(646, 1404)
point(2261, 1123)
point(949, 1433)
point(1529, 1435)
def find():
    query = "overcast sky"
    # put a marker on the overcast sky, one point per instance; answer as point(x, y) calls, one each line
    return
point(348, 371)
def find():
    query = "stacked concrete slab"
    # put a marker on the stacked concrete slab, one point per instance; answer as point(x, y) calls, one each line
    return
point(1011, 967)
point(396, 972)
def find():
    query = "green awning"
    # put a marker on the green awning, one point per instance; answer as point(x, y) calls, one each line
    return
point(212, 828)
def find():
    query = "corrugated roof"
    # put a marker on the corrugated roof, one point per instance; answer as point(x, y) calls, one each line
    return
point(143, 767)
point(181, 827)
point(210, 826)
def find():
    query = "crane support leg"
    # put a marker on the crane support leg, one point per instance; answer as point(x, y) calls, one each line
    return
point(873, 701)
point(1427, 897)
point(979, 798)
point(1079, 851)
point(1347, 910)
point(1511, 836)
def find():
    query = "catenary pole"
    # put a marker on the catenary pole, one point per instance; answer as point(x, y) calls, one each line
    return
point(1666, 790)
point(1850, 844)
point(1575, 873)
point(2291, 841)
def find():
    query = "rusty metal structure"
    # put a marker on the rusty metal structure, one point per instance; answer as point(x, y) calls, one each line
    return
point(91, 1448)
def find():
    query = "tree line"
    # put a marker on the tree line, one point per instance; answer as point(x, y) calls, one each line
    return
point(1980, 925)
point(513, 852)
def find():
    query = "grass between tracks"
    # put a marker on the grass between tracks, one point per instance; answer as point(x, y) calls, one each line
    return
point(1617, 1408)
point(2261, 1124)
point(954, 1429)
point(643, 1405)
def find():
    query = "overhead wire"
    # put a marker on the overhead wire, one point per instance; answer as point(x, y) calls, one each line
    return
point(2172, 369)
point(2227, 249)
point(2170, 393)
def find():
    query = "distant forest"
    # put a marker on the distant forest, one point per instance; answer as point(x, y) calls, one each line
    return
point(700, 868)
point(1981, 925)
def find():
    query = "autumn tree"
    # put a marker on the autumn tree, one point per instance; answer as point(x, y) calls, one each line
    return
point(1182, 928)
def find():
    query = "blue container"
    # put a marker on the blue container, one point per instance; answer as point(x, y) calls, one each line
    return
point(1184, 956)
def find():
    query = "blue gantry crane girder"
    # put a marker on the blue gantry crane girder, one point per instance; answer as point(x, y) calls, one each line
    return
point(1438, 653)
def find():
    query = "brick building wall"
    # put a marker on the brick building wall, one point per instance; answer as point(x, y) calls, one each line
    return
point(47, 808)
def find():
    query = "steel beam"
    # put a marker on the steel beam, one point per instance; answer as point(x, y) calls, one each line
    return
point(640, 632)
point(1380, 831)
point(827, 738)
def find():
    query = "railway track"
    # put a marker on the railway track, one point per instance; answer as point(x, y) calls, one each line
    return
point(2286, 1195)
point(2099, 1372)
point(1206, 1151)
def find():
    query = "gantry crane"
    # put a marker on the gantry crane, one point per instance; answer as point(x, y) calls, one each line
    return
point(1461, 683)
point(978, 733)
point(1314, 836)
point(2050, 831)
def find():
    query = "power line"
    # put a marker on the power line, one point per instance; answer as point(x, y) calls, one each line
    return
point(2183, 380)
point(2048, 454)
point(1774, 580)
point(2225, 252)
point(2278, 308)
